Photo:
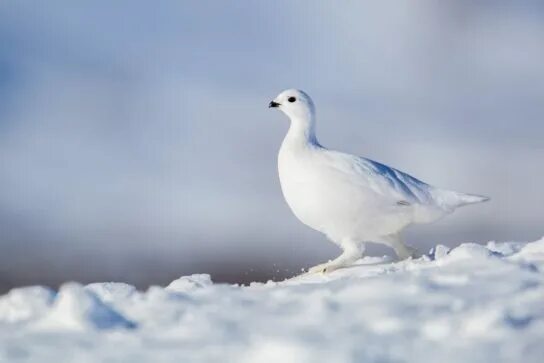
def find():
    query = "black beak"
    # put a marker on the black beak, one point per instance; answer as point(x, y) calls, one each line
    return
point(273, 104)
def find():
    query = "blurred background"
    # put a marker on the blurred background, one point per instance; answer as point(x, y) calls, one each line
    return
point(136, 144)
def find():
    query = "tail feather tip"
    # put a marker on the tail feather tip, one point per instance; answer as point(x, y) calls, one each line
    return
point(472, 198)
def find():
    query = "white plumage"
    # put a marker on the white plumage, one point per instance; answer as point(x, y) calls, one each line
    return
point(351, 199)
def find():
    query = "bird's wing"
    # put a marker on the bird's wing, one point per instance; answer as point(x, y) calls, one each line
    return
point(384, 180)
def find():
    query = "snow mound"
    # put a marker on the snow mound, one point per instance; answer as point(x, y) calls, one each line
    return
point(188, 283)
point(111, 291)
point(79, 309)
point(472, 303)
point(25, 304)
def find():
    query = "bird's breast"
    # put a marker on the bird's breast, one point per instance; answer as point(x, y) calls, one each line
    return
point(298, 179)
point(315, 193)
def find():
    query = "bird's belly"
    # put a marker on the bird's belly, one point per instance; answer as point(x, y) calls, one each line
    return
point(337, 208)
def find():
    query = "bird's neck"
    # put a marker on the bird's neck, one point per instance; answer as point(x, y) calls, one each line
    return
point(301, 132)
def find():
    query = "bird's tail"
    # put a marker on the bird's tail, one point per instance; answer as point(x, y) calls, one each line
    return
point(452, 200)
point(466, 199)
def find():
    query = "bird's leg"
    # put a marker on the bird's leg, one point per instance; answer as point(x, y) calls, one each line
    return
point(352, 252)
point(402, 250)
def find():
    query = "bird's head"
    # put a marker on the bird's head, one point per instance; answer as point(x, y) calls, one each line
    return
point(296, 104)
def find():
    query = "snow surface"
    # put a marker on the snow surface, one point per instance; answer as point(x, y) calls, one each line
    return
point(471, 304)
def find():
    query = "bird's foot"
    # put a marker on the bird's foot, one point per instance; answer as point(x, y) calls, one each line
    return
point(352, 252)
point(326, 267)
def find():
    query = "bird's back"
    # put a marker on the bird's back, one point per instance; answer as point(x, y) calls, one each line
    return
point(393, 191)
point(429, 202)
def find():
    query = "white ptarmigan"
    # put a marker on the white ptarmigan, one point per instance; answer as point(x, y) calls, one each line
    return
point(352, 200)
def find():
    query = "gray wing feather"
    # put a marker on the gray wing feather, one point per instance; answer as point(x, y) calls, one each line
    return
point(413, 190)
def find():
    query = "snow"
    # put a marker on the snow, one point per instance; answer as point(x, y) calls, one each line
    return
point(472, 303)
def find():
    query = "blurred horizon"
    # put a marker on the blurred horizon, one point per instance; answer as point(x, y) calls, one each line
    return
point(136, 144)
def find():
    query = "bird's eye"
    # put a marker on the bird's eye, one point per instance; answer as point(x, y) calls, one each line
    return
point(292, 99)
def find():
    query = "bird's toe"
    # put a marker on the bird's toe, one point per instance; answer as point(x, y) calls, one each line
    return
point(324, 268)
point(320, 269)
